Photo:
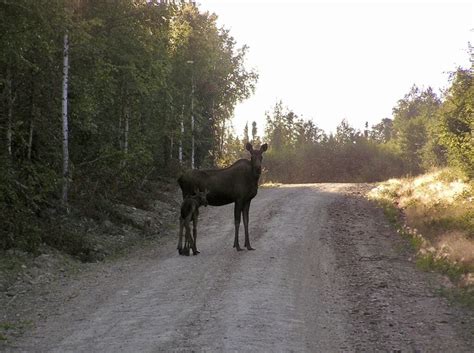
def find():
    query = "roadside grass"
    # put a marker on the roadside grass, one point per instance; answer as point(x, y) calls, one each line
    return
point(11, 265)
point(8, 329)
point(435, 211)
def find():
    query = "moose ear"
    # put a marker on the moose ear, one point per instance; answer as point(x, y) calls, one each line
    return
point(264, 147)
point(248, 147)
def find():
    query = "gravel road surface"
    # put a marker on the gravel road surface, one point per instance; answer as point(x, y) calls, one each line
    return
point(329, 274)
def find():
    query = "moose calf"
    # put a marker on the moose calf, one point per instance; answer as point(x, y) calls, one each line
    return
point(190, 212)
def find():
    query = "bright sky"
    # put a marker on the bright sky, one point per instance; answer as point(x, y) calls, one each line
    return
point(344, 59)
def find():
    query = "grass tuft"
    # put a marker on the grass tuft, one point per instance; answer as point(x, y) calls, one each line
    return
point(436, 212)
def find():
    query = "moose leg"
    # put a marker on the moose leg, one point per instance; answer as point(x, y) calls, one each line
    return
point(195, 220)
point(237, 212)
point(188, 239)
point(245, 213)
point(180, 237)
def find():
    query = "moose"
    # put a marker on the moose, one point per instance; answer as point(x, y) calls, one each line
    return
point(190, 212)
point(236, 184)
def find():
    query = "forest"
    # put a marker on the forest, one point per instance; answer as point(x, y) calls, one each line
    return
point(98, 97)
point(426, 131)
point(101, 98)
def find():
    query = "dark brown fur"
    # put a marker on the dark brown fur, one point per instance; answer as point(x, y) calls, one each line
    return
point(190, 212)
point(235, 184)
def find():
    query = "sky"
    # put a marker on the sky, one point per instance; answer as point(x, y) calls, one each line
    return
point(353, 60)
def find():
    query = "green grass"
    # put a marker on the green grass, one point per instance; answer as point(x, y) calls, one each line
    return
point(431, 221)
point(390, 211)
point(9, 328)
point(6, 326)
point(463, 223)
point(429, 262)
point(463, 296)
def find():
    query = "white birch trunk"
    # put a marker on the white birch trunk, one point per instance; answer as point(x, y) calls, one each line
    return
point(171, 146)
point(120, 131)
point(65, 120)
point(222, 137)
point(10, 112)
point(192, 126)
point(180, 149)
point(192, 141)
point(32, 122)
point(30, 137)
point(125, 131)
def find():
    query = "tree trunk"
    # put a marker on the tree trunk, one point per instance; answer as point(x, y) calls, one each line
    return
point(192, 141)
point(10, 100)
point(126, 130)
point(30, 136)
point(120, 141)
point(192, 126)
point(180, 153)
point(33, 115)
point(171, 147)
point(222, 139)
point(65, 120)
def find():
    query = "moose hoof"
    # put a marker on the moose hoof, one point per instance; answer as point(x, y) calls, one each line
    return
point(249, 248)
point(196, 252)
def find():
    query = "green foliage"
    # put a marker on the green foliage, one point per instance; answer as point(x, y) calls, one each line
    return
point(383, 131)
point(301, 152)
point(429, 262)
point(23, 195)
point(457, 122)
point(464, 222)
point(425, 132)
point(464, 296)
point(136, 67)
point(414, 116)
point(390, 211)
point(438, 222)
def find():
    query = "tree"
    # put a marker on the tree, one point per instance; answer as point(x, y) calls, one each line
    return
point(412, 117)
point(346, 133)
point(65, 119)
point(246, 133)
point(281, 128)
point(129, 94)
point(254, 132)
point(383, 131)
point(457, 121)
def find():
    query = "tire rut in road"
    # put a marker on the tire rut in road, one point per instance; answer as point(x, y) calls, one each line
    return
point(392, 305)
point(328, 275)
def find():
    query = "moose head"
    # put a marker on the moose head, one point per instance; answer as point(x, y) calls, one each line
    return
point(201, 197)
point(256, 157)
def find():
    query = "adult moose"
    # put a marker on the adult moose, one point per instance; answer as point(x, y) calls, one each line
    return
point(237, 183)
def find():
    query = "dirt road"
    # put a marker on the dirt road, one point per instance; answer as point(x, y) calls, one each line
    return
point(328, 275)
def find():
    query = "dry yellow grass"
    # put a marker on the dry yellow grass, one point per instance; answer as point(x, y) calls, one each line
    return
point(438, 210)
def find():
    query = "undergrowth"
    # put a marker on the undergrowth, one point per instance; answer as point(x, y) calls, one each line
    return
point(435, 212)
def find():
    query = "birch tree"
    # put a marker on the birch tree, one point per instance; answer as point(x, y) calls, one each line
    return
point(65, 119)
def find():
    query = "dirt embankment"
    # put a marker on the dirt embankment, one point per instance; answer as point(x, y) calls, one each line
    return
point(328, 274)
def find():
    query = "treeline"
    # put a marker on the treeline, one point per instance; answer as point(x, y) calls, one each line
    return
point(151, 87)
point(425, 131)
